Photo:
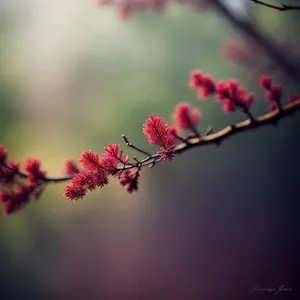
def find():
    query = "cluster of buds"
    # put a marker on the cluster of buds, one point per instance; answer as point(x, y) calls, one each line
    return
point(229, 93)
point(260, 63)
point(115, 163)
point(273, 92)
point(15, 193)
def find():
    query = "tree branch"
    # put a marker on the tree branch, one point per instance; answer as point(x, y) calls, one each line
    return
point(286, 62)
point(270, 118)
point(45, 179)
point(280, 7)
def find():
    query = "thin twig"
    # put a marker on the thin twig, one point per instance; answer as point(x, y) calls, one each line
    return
point(193, 128)
point(45, 179)
point(134, 147)
point(280, 7)
point(208, 130)
point(180, 138)
point(243, 107)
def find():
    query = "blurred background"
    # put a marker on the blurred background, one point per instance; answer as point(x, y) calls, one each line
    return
point(210, 225)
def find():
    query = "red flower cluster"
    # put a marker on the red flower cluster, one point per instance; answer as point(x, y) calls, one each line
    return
point(96, 175)
point(186, 118)
point(237, 53)
point(35, 175)
point(70, 168)
point(273, 92)
point(252, 56)
point(202, 82)
point(130, 178)
point(114, 155)
point(84, 181)
point(229, 93)
point(161, 134)
point(233, 96)
point(98, 170)
point(114, 162)
point(17, 194)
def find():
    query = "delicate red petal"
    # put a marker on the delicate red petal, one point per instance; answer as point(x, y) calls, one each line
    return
point(125, 11)
point(222, 91)
point(100, 179)
point(4, 196)
point(109, 164)
point(229, 106)
point(203, 83)
point(239, 95)
point(113, 151)
point(270, 96)
point(74, 193)
point(156, 130)
point(8, 176)
point(70, 167)
point(3, 154)
point(185, 118)
point(173, 131)
point(236, 53)
point(233, 86)
point(249, 100)
point(90, 161)
point(130, 178)
point(167, 155)
point(103, 2)
point(33, 168)
point(16, 200)
point(265, 82)
point(196, 80)
point(272, 107)
point(89, 180)
point(277, 92)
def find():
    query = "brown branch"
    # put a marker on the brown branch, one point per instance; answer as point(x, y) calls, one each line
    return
point(193, 128)
point(270, 118)
point(287, 63)
point(45, 179)
point(281, 7)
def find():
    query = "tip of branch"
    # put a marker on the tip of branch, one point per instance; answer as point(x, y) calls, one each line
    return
point(125, 139)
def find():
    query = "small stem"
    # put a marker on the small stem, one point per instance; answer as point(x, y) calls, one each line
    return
point(208, 130)
point(45, 179)
point(193, 128)
point(279, 105)
point(182, 139)
point(134, 157)
point(247, 112)
point(242, 106)
point(134, 147)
